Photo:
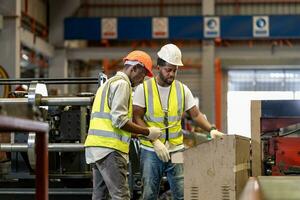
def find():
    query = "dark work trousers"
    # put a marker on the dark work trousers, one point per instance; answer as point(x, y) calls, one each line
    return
point(110, 178)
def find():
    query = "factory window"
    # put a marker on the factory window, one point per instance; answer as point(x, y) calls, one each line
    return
point(247, 85)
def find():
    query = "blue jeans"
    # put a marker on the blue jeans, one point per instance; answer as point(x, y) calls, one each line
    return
point(153, 170)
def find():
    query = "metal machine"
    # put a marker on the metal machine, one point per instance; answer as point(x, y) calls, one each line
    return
point(275, 137)
point(68, 119)
point(280, 137)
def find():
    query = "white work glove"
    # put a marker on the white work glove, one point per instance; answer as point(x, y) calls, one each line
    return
point(154, 133)
point(161, 151)
point(215, 133)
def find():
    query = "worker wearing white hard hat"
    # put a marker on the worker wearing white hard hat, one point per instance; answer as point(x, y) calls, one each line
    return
point(160, 102)
point(171, 54)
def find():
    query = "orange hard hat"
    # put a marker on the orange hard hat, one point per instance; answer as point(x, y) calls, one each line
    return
point(143, 58)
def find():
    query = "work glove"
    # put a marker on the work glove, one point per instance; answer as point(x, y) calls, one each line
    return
point(161, 151)
point(215, 133)
point(154, 133)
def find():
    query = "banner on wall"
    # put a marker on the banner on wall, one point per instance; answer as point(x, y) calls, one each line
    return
point(211, 27)
point(109, 28)
point(261, 26)
point(160, 27)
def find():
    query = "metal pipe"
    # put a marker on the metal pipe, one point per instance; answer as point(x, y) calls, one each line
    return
point(8, 101)
point(132, 5)
point(65, 147)
point(51, 101)
point(70, 101)
point(52, 191)
point(51, 79)
point(28, 81)
point(48, 82)
point(52, 147)
point(6, 147)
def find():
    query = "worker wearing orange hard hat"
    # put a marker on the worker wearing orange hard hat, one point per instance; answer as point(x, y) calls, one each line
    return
point(107, 143)
point(143, 58)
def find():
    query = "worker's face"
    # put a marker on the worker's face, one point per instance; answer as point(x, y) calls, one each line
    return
point(137, 76)
point(167, 73)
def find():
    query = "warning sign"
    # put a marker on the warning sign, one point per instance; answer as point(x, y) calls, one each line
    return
point(109, 28)
point(261, 27)
point(211, 27)
point(160, 27)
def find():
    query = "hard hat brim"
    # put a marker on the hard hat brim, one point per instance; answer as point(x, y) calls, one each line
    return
point(149, 73)
point(172, 63)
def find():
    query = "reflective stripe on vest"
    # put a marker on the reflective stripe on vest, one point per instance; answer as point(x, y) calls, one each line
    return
point(101, 131)
point(156, 116)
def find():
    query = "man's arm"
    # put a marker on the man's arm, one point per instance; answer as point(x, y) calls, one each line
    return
point(119, 98)
point(138, 115)
point(134, 128)
point(199, 118)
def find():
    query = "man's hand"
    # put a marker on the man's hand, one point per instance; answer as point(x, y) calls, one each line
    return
point(215, 133)
point(154, 133)
point(161, 151)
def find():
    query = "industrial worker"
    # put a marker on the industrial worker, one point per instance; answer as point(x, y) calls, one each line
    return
point(107, 143)
point(160, 102)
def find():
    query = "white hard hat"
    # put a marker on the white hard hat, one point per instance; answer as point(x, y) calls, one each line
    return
point(171, 54)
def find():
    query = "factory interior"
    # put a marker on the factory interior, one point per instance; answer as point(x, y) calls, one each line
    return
point(240, 62)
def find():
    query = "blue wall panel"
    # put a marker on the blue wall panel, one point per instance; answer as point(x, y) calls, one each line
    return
point(183, 28)
point(285, 26)
point(82, 28)
point(186, 27)
point(236, 27)
point(134, 28)
point(280, 108)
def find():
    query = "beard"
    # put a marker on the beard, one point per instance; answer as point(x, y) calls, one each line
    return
point(167, 81)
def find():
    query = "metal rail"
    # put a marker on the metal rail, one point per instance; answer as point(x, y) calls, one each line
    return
point(27, 81)
point(52, 191)
point(51, 101)
point(52, 147)
point(12, 124)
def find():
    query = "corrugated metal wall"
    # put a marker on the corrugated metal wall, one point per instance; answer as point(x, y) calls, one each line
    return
point(116, 8)
point(257, 8)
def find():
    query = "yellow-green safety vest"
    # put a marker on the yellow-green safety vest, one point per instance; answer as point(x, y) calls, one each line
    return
point(156, 116)
point(101, 131)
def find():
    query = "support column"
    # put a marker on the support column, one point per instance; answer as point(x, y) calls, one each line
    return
point(207, 102)
point(59, 69)
point(59, 10)
point(10, 37)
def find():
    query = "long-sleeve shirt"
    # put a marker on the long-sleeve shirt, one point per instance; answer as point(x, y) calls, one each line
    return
point(118, 98)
